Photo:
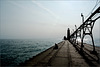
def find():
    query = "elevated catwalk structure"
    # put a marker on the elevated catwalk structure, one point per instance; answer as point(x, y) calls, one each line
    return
point(86, 29)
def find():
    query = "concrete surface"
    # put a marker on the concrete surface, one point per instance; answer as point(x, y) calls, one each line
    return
point(66, 55)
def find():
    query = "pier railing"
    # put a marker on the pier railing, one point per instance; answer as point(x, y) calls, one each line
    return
point(86, 29)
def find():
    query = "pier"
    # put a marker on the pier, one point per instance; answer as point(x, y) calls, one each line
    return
point(66, 55)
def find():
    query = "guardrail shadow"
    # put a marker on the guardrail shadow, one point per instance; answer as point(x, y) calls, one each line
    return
point(91, 59)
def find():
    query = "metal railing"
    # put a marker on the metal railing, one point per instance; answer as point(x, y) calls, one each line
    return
point(86, 29)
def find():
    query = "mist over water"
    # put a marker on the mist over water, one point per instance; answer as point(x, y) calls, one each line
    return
point(96, 42)
point(89, 41)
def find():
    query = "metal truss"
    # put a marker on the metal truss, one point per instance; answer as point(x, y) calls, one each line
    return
point(85, 29)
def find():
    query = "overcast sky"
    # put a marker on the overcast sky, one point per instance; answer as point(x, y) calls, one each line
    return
point(42, 18)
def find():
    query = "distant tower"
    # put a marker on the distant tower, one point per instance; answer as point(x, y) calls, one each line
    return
point(68, 34)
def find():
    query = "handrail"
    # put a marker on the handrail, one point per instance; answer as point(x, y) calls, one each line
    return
point(96, 11)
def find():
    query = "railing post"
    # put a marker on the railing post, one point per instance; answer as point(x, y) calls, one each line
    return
point(83, 33)
point(76, 34)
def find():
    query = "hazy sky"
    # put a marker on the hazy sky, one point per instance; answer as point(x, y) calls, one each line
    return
point(43, 18)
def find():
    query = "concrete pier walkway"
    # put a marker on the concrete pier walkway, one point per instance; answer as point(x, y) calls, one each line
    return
point(66, 55)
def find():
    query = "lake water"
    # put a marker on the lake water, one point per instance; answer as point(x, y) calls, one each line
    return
point(15, 51)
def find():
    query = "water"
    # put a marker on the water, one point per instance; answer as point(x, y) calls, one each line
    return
point(89, 41)
point(15, 51)
point(96, 41)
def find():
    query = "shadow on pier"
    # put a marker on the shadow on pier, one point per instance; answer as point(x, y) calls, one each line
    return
point(93, 59)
